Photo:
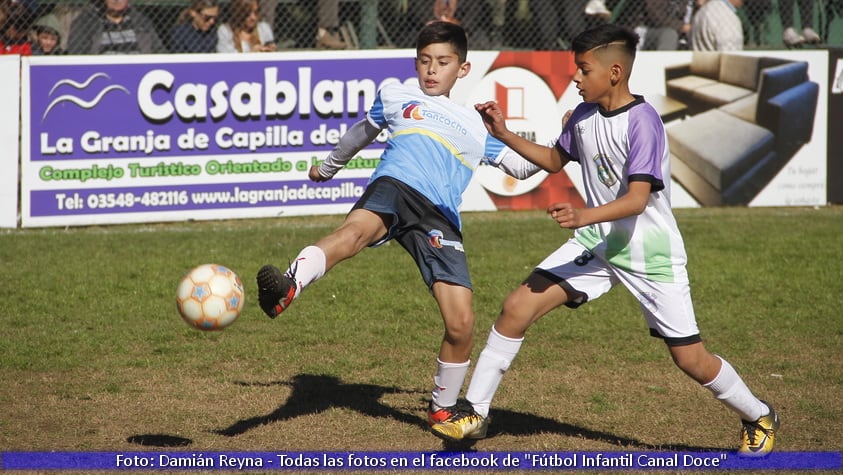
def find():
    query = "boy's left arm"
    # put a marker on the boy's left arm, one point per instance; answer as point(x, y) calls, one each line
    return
point(358, 136)
point(632, 203)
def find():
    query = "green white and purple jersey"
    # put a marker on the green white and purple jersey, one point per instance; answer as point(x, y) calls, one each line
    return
point(613, 149)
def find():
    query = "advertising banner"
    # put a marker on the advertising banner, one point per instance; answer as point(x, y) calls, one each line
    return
point(9, 130)
point(162, 138)
point(133, 139)
point(745, 128)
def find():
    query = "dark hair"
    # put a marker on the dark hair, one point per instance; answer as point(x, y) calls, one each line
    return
point(604, 35)
point(444, 32)
point(197, 6)
point(19, 16)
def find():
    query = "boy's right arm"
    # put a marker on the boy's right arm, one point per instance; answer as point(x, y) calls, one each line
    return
point(358, 136)
point(548, 158)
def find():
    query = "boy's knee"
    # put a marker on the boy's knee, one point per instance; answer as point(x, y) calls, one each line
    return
point(699, 364)
point(460, 329)
point(515, 313)
point(459, 323)
point(512, 307)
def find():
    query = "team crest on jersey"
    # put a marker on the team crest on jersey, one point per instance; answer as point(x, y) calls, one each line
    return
point(412, 110)
point(604, 166)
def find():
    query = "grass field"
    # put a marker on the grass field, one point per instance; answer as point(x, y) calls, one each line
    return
point(93, 355)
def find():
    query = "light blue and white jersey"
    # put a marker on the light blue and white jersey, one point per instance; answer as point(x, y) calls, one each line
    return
point(614, 149)
point(434, 145)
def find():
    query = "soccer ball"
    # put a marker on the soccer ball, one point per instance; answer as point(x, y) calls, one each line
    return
point(210, 297)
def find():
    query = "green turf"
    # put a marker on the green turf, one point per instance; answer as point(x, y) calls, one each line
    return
point(93, 354)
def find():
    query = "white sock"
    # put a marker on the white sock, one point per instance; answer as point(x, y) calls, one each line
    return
point(730, 389)
point(493, 362)
point(308, 267)
point(447, 382)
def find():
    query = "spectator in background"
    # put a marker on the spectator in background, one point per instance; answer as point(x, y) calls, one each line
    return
point(578, 18)
point(328, 25)
point(14, 30)
point(47, 36)
point(717, 27)
point(556, 23)
point(664, 20)
point(483, 21)
point(690, 7)
point(196, 29)
point(402, 18)
point(756, 12)
point(791, 36)
point(245, 32)
point(598, 9)
point(64, 14)
point(446, 10)
point(113, 27)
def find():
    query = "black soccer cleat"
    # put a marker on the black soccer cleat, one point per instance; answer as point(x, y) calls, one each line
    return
point(275, 290)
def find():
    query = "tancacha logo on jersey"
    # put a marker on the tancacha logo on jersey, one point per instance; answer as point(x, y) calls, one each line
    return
point(412, 110)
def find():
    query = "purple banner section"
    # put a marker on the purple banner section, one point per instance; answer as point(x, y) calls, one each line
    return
point(416, 461)
point(213, 107)
point(66, 202)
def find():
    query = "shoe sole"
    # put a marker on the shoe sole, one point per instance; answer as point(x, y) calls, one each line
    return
point(271, 291)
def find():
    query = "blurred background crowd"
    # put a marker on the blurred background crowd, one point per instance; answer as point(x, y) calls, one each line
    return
point(41, 27)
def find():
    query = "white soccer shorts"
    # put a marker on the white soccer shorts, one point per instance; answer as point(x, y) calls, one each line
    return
point(667, 307)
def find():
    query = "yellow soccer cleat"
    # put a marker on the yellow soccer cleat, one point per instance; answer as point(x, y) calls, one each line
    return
point(464, 424)
point(758, 437)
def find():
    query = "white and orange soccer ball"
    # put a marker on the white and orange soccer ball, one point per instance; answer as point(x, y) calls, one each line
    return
point(210, 297)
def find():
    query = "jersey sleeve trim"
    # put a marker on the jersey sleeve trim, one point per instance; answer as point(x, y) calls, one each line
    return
point(655, 183)
point(565, 153)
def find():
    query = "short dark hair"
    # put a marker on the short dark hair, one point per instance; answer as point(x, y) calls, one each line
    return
point(444, 32)
point(604, 35)
point(19, 16)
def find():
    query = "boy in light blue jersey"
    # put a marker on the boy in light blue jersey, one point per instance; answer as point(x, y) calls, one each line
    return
point(413, 197)
point(626, 235)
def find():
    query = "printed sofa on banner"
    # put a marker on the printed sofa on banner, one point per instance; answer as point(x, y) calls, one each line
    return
point(752, 114)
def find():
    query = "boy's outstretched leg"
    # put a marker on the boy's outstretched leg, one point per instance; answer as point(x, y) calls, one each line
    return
point(277, 290)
